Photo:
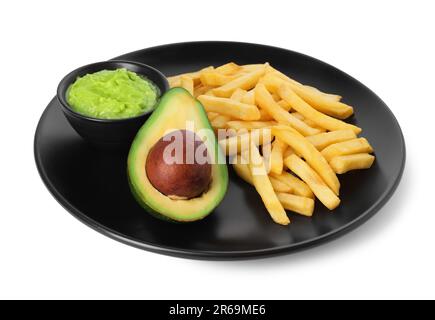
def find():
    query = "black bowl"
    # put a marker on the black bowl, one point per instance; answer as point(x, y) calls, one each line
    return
point(107, 132)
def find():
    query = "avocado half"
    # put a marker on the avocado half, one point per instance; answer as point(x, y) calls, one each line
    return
point(176, 107)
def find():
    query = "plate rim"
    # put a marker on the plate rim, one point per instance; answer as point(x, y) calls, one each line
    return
point(216, 254)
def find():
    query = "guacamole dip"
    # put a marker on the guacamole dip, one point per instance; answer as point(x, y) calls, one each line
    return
point(112, 94)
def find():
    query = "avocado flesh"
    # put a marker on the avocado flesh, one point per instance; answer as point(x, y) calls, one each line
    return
point(175, 108)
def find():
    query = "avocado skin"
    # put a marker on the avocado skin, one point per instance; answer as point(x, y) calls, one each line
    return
point(223, 172)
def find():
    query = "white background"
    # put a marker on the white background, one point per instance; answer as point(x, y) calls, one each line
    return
point(46, 253)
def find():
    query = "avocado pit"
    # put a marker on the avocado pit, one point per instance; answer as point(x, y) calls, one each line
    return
point(175, 165)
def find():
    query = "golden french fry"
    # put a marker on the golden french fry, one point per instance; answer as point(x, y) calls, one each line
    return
point(264, 187)
point(249, 125)
point(242, 170)
point(360, 145)
point(312, 124)
point(317, 99)
point(322, 140)
point(237, 144)
point(194, 75)
point(275, 97)
point(285, 105)
point(266, 102)
point(322, 120)
point(307, 121)
point(215, 79)
point(230, 108)
point(298, 115)
point(314, 181)
point(253, 67)
point(174, 81)
point(249, 97)
point(238, 95)
point(297, 204)
point(343, 164)
point(265, 116)
point(220, 122)
point(187, 83)
point(212, 115)
point(330, 96)
point(245, 82)
point(271, 81)
point(200, 90)
point(296, 185)
point(326, 105)
point(288, 151)
point(316, 160)
point(208, 93)
point(274, 72)
point(279, 186)
point(276, 156)
point(229, 68)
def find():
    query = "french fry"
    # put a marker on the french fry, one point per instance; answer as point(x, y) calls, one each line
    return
point(249, 125)
point(274, 72)
point(237, 144)
point(317, 99)
point(297, 186)
point(322, 120)
point(245, 82)
point(272, 81)
point(215, 79)
point(264, 187)
point(242, 170)
point(360, 145)
point(313, 180)
point(275, 97)
point(241, 167)
point(253, 67)
point(312, 124)
point(288, 151)
point(343, 164)
point(238, 95)
point(322, 140)
point(209, 93)
point(229, 68)
point(200, 90)
point(265, 116)
point(249, 97)
point(307, 121)
point(174, 81)
point(266, 102)
point(315, 159)
point(187, 83)
point(326, 105)
point(297, 204)
point(330, 96)
point(298, 115)
point(266, 149)
point(276, 156)
point(212, 115)
point(279, 186)
point(230, 108)
point(220, 122)
point(285, 105)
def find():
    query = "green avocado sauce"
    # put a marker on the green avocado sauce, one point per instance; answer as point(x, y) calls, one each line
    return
point(112, 94)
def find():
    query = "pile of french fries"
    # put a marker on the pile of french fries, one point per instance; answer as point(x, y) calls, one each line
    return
point(311, 142)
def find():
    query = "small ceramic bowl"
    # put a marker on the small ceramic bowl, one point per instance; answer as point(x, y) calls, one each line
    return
point(108, 132)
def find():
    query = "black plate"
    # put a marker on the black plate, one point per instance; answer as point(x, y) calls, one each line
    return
point(92, 184)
